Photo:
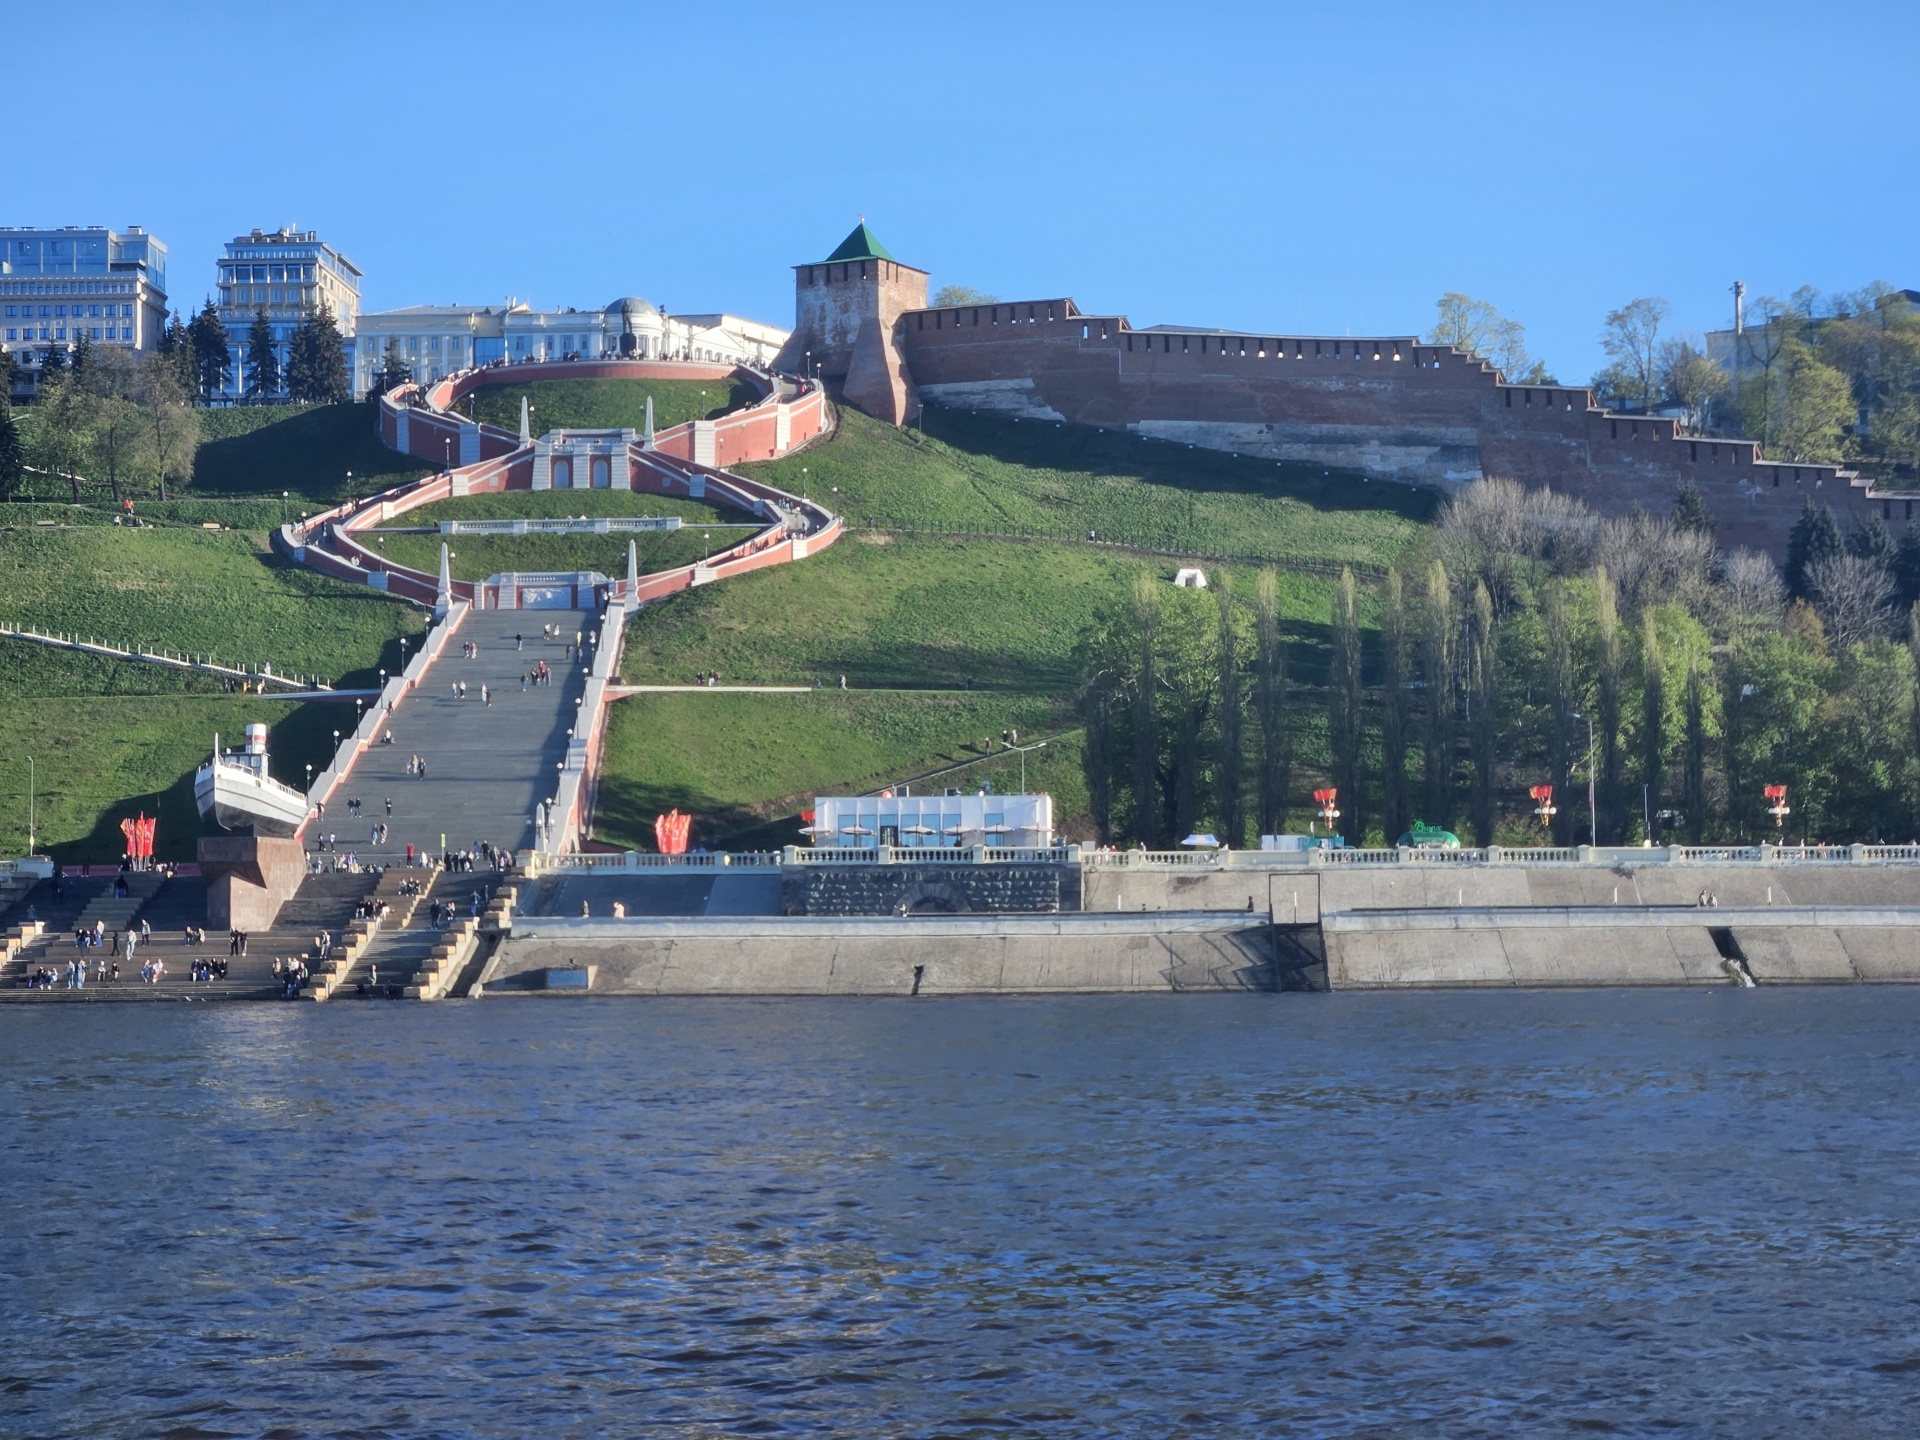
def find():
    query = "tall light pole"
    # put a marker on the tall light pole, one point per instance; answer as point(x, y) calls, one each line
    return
point(1593, 814)
point(30, 827)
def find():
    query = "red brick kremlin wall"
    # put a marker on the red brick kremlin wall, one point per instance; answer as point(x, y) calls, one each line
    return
point(1390, 406)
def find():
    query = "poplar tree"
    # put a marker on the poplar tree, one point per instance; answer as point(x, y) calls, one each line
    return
point(1228, 784)
point(1563, 704)
point(1483, 733)
point(1653, 712)
point(1608, 664)
point(1694, 781)
point(1395, 802)
point(1344, 716)
point(1276, 748)
point(1096, 752)
point(1437, 670)
point(1146, 728)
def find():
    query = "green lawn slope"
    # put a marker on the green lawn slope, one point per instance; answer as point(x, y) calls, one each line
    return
point(109, 737)
point(745, 765)
point(607, 404)
point(979, 474)
point(259, 451)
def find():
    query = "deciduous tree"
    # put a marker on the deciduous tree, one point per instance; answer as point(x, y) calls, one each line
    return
point(1276, 746)
point(1632, 340)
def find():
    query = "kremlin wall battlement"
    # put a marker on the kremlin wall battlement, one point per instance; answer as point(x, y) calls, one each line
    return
point(1389, 407)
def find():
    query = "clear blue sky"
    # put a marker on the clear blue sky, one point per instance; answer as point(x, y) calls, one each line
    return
point(1292, 168)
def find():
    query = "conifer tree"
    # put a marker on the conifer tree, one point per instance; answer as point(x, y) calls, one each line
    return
point(263, 365)
point(1690, 509)
point(13, 455)
point(1815, 537)
point(176, 344)
point(317, 361)
point(212, 356)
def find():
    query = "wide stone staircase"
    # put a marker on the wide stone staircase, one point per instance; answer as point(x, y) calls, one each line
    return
point(360, 968)
point(323, 902)
point(415, 959)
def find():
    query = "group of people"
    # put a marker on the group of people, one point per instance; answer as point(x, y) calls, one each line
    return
point(712, 677)
point(291, 971)
point(355, 808)
point(416, 767)
point(206, 970)
point(44, 977)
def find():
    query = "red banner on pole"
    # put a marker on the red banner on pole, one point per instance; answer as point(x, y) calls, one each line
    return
point(670, 832)
point(139, 833)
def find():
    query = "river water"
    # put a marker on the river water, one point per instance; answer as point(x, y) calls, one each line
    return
point(1446, 1214)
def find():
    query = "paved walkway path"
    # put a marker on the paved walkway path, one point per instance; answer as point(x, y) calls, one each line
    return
point(487, 765)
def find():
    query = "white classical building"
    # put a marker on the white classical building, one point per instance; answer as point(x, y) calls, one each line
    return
point(436, 340)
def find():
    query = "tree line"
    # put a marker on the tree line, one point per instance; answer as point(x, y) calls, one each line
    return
point(1532, 643)
point(1820, 379)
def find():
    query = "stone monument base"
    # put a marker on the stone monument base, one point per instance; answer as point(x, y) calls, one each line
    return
point(249, 877)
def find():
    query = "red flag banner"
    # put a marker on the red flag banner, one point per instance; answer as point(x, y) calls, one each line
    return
point(670, 832)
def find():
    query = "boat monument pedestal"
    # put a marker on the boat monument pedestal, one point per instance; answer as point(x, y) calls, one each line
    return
point(249, 877)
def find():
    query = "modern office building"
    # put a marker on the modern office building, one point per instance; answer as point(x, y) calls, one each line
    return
point(57, 285)
point(436, 340)
point(287, 272)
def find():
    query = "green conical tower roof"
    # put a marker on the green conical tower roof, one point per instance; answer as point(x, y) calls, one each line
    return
point(860, 245)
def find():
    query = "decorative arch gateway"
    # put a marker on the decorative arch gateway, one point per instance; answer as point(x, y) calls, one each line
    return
point(685, 460)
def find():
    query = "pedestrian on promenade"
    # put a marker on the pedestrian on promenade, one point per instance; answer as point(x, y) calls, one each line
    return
point(519, 641)
point(389, 805)
point(486, 695)
point(523, 682)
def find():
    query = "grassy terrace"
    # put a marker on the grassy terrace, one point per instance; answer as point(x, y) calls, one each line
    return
point(477, 556)
point(607, 404)
point(108, 737)
point(745, 765)
point(976, 473)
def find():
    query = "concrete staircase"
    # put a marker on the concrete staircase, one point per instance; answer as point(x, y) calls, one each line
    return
point(366, 941)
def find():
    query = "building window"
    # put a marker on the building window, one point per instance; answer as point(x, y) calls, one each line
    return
point(96, 332)
point(12, 336)
point(126, 312)
point(126, 332)
point(59, 311)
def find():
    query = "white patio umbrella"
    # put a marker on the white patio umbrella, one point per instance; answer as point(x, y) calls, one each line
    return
point(1197, 839)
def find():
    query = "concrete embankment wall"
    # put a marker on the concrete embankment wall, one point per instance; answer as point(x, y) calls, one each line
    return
point(1620, 945)
point(933, 955)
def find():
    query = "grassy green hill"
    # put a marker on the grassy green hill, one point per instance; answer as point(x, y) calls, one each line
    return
point(307, 449)
point(745, 765)
point(608, 404)
point(969, 562)
point(991, 475)
point(108, 737)
point(972, 564)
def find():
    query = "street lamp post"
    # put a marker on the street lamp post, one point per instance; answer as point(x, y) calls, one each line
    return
point(30, 825)
point(1593, 814)
point(283, 508)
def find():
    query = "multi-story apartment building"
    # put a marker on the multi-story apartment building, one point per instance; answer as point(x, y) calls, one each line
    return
point(436, 340)
point(287, 272)
point(57, 285)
